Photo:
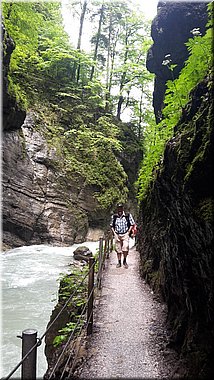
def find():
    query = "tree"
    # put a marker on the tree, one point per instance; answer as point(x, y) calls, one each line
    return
point(82, 17)
point(98, 36)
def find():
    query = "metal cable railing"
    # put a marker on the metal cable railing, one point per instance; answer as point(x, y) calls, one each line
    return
point(101, 260)
point(21, 361)
point(74, 330)
point(76, 353)
point(46, 331)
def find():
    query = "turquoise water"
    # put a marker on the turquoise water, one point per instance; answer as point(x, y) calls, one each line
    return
point(29, 294)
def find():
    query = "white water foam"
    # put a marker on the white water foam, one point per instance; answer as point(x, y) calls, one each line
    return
point(29, 294)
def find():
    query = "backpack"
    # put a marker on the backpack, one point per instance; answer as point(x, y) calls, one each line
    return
point(133, 232)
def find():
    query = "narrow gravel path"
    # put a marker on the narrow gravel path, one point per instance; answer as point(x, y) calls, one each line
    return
point(129, 335)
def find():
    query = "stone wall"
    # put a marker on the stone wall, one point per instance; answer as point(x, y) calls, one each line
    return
point(176, 234)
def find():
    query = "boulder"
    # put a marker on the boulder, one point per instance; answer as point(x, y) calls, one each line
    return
point(82, 253)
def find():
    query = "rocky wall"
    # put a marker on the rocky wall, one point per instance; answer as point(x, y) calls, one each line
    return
point(176, 233)
point(40, 206)
point(171, 28)
point(13, 115)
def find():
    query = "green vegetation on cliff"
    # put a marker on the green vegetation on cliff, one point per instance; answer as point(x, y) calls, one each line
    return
point(75, 283)
point(78, 98)
point(178, 93)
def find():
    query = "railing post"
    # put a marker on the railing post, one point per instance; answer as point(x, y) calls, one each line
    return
point(104, 252)
point(99, 275)
point(108, 246)
point(111, 245)
point(101, 246)
point(29, 339)
point(90, 296)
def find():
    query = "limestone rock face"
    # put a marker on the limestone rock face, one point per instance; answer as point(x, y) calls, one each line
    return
point(40, 206)
point(176, 237)
point(171, 28)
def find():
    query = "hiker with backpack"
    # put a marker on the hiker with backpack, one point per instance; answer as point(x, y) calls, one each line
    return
point(121, 225)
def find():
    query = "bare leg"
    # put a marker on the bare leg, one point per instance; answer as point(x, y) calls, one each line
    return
point(124, 259)
point(119, 252)
point(125, 254)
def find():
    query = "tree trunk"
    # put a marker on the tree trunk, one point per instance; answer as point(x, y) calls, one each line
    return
point(140, 114)
point(82, 17)
point(97, 41)
point(122, 81)
point(119, 106)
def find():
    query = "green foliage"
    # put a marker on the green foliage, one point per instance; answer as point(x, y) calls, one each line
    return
point(43, 57)
point(154, 143)
point(85, 138)
point(196, 67)
point(90, 151)
point(66, 331)
point(69, 284)
point(178, 93)
point(72, 117)
point(205, 210)
point(75, 282)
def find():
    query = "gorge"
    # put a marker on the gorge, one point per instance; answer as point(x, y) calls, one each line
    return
point(176, 216)
point(48, 198)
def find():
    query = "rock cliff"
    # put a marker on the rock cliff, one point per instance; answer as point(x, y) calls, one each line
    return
point(42, 203)
point(13, 115)
point(38, 207)
point(176, 239)
point(171, 28)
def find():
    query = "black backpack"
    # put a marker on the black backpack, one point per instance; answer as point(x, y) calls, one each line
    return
point(127, 219)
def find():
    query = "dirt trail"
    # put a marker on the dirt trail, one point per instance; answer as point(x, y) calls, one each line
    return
point(129, 335)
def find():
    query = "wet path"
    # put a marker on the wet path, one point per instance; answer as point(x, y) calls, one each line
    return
point(129, 337)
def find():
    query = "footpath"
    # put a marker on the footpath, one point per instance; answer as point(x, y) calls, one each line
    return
point(129, 337)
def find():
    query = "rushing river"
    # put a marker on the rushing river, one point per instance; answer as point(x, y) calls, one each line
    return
point(29, 294)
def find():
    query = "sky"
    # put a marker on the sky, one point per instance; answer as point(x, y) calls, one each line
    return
point(148, 7)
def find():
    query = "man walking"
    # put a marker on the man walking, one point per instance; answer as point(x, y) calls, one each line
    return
point(121, 225)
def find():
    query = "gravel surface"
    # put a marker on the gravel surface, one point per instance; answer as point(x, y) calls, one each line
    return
point(129, 337)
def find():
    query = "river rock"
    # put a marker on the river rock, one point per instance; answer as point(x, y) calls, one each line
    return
point(82, 253)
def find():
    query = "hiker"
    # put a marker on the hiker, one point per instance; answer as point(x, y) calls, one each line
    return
point(121, 225)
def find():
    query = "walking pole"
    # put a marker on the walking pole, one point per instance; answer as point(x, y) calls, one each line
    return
point(29, 339)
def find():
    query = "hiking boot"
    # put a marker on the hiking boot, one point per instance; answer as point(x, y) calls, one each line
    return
point(125, 265)
point(118, 265)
